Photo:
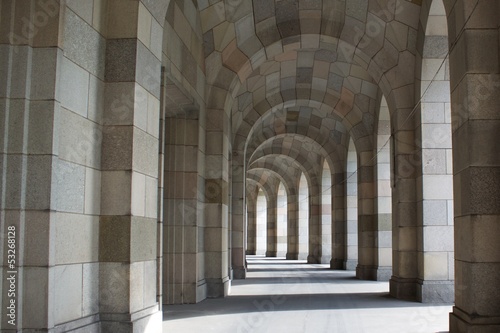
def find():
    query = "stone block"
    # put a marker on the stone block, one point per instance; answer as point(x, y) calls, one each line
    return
point(154, 116)
point(119, 103)
point(116, 192)
point(67, 293)
point(84, 9)
point(117, 148)
point(263, 10)
point(438, 238)
point(95, 111)
point(40, 175)
point(36, 285)
point(483, 191)
point(435, 265)
point(121, 59)
point(42, 118)
point(92, 191)
point(5, 68)
point(79, 140)
point(435, 212)
point(385, 257)
point(145, 153)
point(38, 237)
point(70, 187)
point(44, 74)
point(48, 34)
point(74, 83)
point(156, 39)
point(90, 291)
point(114, 287)
point(143, 239)
point(149, 290)
point(476, 237)
point(148, 70)
point(144, 25)
point(83, 45)
point(481, 51)
point(438, 187)
point(138, 194)
point(76, 238)
point(19, 69)
point(434, 161)
point(123, 24)
point(136, 286)
point(151, 207)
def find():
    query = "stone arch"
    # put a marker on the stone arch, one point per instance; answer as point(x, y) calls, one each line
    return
point(437, 171)
point(421, 279)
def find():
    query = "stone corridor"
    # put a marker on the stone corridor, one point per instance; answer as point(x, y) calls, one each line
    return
point(147, 147)
point(282, 296)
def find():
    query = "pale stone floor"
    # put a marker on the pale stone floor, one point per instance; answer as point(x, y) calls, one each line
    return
point(293, 297)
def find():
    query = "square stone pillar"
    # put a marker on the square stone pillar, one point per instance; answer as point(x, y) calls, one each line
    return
point(293, 226)
point(128, 223)
point(272, 219)
point(238, 219)
point(216, 198)
point(251, 198)
point(315, 227)
point(475, 98)
point(403, 283)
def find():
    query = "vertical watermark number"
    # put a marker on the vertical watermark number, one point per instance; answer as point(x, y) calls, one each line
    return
point(11, 275)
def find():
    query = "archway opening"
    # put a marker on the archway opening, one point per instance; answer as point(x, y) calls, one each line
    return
point(282, 221)
point(261, 224)
point(303, 218)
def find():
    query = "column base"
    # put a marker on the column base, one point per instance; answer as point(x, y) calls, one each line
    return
point(271, 254)
point(436, 291)
point(337, 264)
point(373, 273)
point(239, 273)
point(292, 256)
point(405, 289)
point(149, 320)
point(217, 288)
point(90, 323)
point(312, 259)
point(250, 252)
point(461, 322)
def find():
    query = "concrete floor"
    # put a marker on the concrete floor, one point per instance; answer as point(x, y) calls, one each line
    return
point(291, 296)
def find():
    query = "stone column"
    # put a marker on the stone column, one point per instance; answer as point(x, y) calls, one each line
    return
point(315, 233)
point(475, 97)
point(326, 215)
point(403, 283)
point(32, 180)
point(128, 221)
point(367, 222)
point(183, 282)
point(216, 198)
point(340, 259)
point(435, 181)
point(383, 194)
point(293, 226)
point(252, 191)
point(351, 190)
point(238, 220)
point(272, 215)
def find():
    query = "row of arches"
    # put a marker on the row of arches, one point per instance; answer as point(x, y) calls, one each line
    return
point(377, 122)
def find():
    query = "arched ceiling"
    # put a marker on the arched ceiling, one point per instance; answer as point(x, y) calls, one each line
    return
point(306, 74)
